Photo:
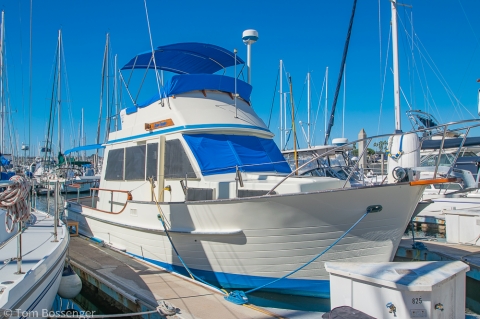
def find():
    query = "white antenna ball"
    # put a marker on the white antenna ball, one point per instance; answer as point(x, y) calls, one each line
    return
point(250, 36)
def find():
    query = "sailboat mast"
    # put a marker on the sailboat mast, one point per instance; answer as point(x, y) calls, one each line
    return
point(326, 100)
point(101, 95)
point(396, 75)
point(344, 93)
point(115, 94)
point(107, 74)
point(2, 74)
point(281, 105)
point(294, 131)
point(82, 142)
point(308, 108)
point(59, 91)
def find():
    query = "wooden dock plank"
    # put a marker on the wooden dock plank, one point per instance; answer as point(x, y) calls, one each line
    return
point(150, 285)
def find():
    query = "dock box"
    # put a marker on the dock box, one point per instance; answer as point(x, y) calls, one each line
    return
point(463, 226)
point(400, 290)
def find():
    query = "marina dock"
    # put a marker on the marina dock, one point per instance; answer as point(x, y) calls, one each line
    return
point(441, 251)
point(136, 286)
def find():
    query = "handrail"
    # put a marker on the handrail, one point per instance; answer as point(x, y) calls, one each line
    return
point(109, 190)
point(444, 127)
point(129, 197)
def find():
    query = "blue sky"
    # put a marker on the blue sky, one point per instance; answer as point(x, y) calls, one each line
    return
point(306, 35)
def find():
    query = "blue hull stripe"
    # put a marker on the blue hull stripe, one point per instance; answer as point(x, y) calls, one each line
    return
point(186, 128)
point(292, 286)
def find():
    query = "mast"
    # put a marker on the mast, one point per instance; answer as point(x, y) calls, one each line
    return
point(285, 118)
point(101, 94)
point(107, 74)
point(82, 142)
point(340, 75)
point(308, 108)
point(2, 75)
point(344, 93)
point(115, 94)
point(59, 91)
point(295, 156)
point(281, 106)
point(326, 100)
point(396, 75)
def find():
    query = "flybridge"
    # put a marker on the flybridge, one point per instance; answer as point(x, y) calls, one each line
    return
point(195, 64)
point(185, 58)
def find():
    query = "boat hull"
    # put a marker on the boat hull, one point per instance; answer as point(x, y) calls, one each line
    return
point(42, 263)
point(244, 243)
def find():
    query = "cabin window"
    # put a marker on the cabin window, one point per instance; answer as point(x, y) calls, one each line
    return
point(177, 164)
point(135, 162)
point(115, 161)
point(152, 160)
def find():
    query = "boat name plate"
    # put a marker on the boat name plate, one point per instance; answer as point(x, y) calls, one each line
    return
point(158, 124)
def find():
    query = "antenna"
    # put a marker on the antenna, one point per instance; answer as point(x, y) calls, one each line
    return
point(249, 37)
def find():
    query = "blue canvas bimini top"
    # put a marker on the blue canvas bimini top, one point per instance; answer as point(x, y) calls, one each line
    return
point(220, 154)
point(185, 58)
point(191, 82)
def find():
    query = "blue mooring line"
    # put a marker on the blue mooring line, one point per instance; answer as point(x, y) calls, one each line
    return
point(240, 297)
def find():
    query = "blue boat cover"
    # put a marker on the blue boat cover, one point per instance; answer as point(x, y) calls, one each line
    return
point(4, 161)
point(190, 82)
point(450, 143)
point(185, 58)
point(84, 148)
point(220, 154)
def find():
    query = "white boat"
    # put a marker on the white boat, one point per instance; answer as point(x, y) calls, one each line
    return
point(33, 260)
point(220, 187)
point(32, 247)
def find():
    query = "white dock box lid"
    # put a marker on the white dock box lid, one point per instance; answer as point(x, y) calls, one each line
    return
point(412, 289)
point(463, 226)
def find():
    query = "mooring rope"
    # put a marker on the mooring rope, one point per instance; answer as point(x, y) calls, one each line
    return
point(239, 297)
point(13, 199)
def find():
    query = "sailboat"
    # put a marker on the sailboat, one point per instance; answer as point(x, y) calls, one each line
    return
point(33, 246)
point(71, 174)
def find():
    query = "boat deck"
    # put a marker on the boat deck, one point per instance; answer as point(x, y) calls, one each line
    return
point(139, 286)
point(37, 245)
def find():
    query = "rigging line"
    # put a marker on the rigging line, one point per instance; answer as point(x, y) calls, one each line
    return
point(153, 53)
point(295, 115)
point(21, 66)
point(101, 94)
point(318, 106)
point(301, 96)
point(67, 90)
point(273, 100)
point(405, 45)
point(476, 47)
point(425, 90)
point(8, 109)
point(380, 50)
point(412, 51)
point(383, 82)
point(52, 115)
point(437, 72)
point(342, 67)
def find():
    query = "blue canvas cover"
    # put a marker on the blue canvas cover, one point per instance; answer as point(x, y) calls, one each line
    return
point(84, 148)
point(191, 82)
point(186, 58)
point(220, 154)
